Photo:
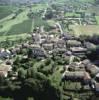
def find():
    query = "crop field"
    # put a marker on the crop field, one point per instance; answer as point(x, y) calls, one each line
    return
point(86, 30)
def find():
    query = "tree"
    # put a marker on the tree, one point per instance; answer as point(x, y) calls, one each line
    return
point(21, 74)
point(41, 88)
point(29, 53)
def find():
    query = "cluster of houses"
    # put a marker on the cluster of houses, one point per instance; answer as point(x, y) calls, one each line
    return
point(84, 72)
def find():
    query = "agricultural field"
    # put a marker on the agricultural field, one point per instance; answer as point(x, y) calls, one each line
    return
point(86, 30)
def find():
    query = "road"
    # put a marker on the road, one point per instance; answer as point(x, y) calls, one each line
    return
point(61, 30)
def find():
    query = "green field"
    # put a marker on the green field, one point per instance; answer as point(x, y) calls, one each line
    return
point(86, 30)
point(21, 24)
point(14, 37)
point(97, 19)
point(23, 27)
point(6, 10)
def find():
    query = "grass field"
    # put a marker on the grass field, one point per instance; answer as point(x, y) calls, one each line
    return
point(38, 7)
point(86, 30)
point(14, 37)
point(23, 27)
point(97, 19)
point(21, 24)
point(6, 10)
point(93, 9)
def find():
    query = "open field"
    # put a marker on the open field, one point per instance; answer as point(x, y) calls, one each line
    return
point(20, 24)
point(14, 37)
point(23, 27)
point(15, 25)
point(97, 19)
point(38, 7)
point(86, 30)
point(6, 10)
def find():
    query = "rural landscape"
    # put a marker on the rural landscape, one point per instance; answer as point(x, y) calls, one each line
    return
point(49, 49)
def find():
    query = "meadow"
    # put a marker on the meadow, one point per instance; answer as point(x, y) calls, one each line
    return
point(24, 27)
point(86, 30)
point(6, 10)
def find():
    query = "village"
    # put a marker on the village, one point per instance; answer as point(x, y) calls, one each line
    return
point(56, 50)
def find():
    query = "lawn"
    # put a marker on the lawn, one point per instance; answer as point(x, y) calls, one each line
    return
point(86, 30)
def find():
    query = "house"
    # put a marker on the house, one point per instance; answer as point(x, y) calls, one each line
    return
point(25, 45)
point(48, 46)
point(4, 53)
point(4, 69)
point(92, 69)
point(75, 66)
point(38, 51)
point(60, 44)
point(15, 50)
point(59, 51)
point(86, 62)
point(78, 50)
point(36, 38)
point(80, 76)
point(89, 45)
point(67, 36)
point(73, 43)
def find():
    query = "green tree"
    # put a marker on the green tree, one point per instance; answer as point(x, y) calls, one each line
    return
point(21, 74)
